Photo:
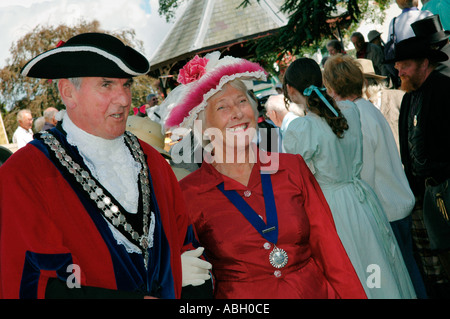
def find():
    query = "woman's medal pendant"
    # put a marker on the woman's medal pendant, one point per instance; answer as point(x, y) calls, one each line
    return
point(278, 257)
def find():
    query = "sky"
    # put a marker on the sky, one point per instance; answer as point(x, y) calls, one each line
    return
point(19, 17)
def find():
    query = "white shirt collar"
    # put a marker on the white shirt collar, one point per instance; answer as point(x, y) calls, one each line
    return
point(110, 162)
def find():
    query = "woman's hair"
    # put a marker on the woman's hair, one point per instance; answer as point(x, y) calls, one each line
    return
point(303, 73)
point(343, 75)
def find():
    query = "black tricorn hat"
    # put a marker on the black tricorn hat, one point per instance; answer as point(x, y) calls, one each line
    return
point(416, 48)
point(88, 55)
point(430, 28)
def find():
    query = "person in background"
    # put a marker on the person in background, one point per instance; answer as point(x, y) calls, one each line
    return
point(38, 124)
point(375, 89)
point(49, 116)
point(150, 101)
point(399, 30)
point(382, 168)
point(374, 37)
point(423, 134)
point(410, 14)
point(281, 115)
point(334, 47)
point(262, 218)
point(23, 134)
point(329, 138)
point(153, 109)
point(87, 209)
point(370, 51)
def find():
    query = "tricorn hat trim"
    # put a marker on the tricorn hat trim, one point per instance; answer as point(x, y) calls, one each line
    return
point(103, 53)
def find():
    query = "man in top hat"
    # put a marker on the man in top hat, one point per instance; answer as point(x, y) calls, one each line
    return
point(87, 209)
point(423, 137)
point(431, 30)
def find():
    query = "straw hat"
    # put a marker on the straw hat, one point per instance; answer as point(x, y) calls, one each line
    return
point(368, 70)
point(148, 131)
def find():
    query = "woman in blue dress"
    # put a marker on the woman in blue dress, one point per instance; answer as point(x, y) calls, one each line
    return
point(329, 138)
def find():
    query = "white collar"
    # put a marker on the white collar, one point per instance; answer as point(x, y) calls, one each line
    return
point(110, 162)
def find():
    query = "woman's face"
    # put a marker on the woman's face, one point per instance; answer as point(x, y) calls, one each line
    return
point(230, 119)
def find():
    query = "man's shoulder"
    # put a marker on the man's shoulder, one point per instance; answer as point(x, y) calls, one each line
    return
point(438, 81)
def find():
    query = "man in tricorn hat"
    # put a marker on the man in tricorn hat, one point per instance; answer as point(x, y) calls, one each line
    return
point(86, 208)
point(423, 137)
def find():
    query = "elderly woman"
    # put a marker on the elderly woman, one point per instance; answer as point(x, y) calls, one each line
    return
point(262, 218)
point(329, 139)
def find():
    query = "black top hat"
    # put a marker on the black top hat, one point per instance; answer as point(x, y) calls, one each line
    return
point(416, 48)
point(86, 55)
point(430, 28)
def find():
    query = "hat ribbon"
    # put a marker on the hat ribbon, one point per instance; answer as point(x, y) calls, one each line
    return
point(311, 88)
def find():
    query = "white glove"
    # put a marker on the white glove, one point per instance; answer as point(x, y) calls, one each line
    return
point(195, 270)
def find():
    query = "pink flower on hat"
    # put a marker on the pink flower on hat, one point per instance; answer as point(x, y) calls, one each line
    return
point(193, 70)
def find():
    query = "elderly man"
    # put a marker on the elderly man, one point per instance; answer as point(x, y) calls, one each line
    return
point(23, 134)
point(277, 112)
point(49, 117)
point(424, 136)
point(98, 212)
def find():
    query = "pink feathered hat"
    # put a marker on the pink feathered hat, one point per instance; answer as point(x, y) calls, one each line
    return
point(200, 79)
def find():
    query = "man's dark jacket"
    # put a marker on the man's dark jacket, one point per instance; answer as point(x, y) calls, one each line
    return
point(424, 132)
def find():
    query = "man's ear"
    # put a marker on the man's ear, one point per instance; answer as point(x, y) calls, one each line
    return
point(68, 93)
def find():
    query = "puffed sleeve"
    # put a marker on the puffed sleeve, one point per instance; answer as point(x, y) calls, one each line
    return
point(299, 139)
point(327, 249)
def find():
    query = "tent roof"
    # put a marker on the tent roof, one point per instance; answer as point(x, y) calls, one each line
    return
point(208, 25)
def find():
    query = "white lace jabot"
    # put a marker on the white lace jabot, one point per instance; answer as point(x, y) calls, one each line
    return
point(110, 162)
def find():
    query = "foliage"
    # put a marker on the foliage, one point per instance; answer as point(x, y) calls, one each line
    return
point(306, 30)
point(307, 27)
point(18, 92)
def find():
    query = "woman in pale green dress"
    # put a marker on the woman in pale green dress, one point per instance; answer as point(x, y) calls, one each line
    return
point(329, 138)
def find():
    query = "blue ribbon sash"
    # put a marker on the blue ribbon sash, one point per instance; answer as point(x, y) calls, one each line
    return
point(270, 230)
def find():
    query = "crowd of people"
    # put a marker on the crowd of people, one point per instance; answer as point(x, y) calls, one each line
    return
point(350, 203)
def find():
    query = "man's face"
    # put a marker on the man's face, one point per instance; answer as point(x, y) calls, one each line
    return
point(26, 121)
point(357, 43)
point(101, 106)
point(153, 101)
point(332, 50)
point(412, 74)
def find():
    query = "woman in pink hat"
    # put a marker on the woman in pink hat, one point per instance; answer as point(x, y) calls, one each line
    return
point(262, 218)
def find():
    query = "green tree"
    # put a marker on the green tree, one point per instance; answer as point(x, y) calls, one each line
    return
point(307, 28)
point(18, 92)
